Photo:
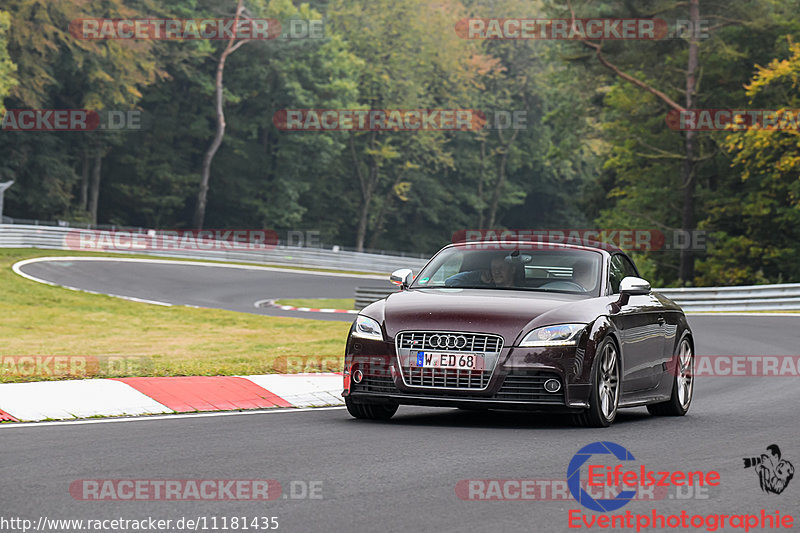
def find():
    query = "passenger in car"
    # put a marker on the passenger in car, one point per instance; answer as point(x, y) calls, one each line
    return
point(582, 274)
point(500, 274)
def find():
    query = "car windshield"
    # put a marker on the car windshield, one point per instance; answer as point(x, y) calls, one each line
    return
point(566, 270)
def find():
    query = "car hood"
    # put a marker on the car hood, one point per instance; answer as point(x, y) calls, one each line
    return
point(504, 312)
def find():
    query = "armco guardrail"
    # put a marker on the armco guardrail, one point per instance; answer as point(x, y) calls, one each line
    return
point(55, 238)
point(745, 298)
point(367, 295)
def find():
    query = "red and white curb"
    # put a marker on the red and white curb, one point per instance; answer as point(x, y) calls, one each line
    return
point(271, 303)
point(62, 400)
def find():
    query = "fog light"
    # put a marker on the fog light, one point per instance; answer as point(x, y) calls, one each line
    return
point(358, 375)
point(551, 385)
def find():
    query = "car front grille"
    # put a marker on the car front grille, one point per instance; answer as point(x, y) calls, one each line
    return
point(527, 388)
point(462, 342)
point(447, 378)
point(409, 342)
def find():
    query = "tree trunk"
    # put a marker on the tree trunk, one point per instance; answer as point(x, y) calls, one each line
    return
point(367, 184)
point(498, 187)
point(501, 175)
point(362, 226)
point(376, 233)
point(363, 218)
point(686, 268)
point(482, 211)
point(379, 223)
point(205, 175)
point(94, 192)
point(84, 200)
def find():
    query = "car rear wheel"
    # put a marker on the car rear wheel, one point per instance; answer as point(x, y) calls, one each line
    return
point(606, 388)
point(682, 384)
point(370, 411)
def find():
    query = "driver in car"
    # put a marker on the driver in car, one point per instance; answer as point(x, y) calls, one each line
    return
point(500, 274)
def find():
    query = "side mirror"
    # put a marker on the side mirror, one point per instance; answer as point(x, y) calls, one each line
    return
point(402, 277)
point(634, 286)
point(630, 286)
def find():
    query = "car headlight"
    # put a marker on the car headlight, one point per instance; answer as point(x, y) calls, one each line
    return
point(560, 335)
point(366, 328)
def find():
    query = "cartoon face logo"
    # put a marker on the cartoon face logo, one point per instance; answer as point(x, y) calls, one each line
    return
point(774, 472)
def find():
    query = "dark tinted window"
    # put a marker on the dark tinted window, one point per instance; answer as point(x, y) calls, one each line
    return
point(621, 267)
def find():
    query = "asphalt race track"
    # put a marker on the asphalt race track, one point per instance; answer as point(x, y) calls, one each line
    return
point(401, 475)
point(221, 287)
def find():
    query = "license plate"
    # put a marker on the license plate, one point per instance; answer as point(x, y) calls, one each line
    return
point(459, 361)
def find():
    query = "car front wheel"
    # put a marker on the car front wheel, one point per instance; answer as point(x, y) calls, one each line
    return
point(606, 388)
point(682, 383)
point(370, 411)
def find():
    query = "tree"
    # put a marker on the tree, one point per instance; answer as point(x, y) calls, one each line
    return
point(756, 223)
point(205, 175)
point(58, 70)
point(419, 64)
point(666, 72)
point(7, 67)
point(270, 177)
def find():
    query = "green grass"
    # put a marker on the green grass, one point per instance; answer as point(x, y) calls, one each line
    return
point(40, 320)
point(320, 303)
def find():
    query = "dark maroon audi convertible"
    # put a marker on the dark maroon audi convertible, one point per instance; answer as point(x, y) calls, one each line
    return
point(560, 328)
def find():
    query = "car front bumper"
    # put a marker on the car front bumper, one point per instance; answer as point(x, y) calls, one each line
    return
point(516, 381)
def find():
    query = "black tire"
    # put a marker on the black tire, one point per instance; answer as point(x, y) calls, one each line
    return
point(681, 399)
point(370, 411)
point(594, 416)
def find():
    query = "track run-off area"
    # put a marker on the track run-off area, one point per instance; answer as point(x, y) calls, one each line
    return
point(341, 474)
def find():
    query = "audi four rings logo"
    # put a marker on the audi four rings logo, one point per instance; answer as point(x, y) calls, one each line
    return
point(447, 341)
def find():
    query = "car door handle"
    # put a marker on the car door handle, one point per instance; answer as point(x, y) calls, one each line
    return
point(661, 321)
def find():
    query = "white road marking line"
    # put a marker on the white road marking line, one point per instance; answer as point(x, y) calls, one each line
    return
point(8, 425)
point(271, 302)
point(198, 263)
point(16, 269)
point(18, 266)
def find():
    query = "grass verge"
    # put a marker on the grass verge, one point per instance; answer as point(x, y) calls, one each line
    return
point(143, 339)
